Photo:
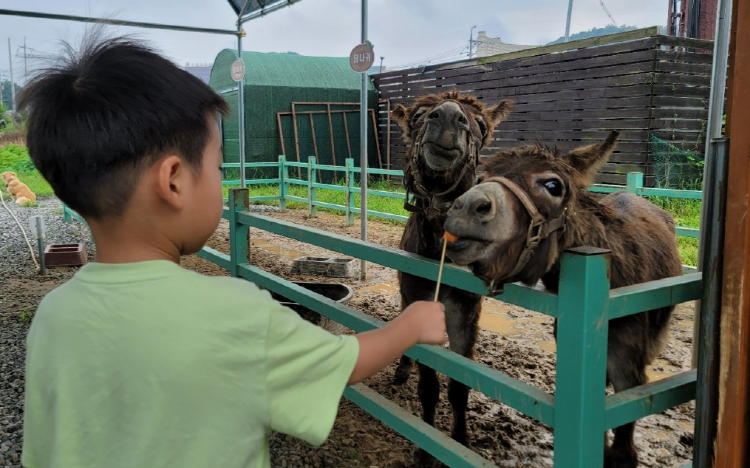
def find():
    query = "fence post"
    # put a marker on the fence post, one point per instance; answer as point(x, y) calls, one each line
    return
point(582, 329)
point(66, 214)
point(349, 171)
point(634, 182)
point(239, 234)
point(311, 190)
point(282, 182)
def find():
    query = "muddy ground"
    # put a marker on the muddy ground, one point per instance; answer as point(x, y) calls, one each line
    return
point(513, 340)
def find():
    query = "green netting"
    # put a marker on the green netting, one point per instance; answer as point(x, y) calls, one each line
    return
point(676, 168)
point(272, 83)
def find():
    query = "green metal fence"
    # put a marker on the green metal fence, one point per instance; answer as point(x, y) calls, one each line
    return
point(579, 412)
point(350, 172)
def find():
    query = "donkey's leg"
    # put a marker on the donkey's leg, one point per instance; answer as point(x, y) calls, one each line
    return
point(462, 316)
point(626, 368)
point(412, 288)
point(429, 394)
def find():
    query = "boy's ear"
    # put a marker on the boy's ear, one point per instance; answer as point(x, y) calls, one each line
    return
point(170, 181)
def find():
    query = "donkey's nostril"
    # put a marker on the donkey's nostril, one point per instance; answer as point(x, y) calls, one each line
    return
point(434, 115)
point(462, 119)
point(484, 207)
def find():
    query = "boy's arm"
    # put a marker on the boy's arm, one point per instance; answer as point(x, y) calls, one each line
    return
point(420, 323)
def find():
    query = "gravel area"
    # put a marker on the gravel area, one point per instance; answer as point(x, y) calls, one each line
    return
point(514, 341)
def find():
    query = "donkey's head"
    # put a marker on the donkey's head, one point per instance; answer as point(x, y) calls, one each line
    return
point(510, 224)
point(446, 132)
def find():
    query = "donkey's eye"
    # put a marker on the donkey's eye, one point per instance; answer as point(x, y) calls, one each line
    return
point(554, 187)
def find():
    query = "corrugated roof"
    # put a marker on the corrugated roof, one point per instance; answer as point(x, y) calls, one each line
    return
point(277, 69)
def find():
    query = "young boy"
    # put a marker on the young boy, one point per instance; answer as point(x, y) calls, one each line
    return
point(136, 362)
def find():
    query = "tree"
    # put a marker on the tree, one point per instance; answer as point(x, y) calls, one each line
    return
point(594, 32)
point(7, 95)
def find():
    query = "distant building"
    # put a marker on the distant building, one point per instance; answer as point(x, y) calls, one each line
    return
point(486, 46)
point(201, 70)
point(691, 18)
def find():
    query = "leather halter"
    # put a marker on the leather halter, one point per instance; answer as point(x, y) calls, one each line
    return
point(432, 209)
point(539, 229)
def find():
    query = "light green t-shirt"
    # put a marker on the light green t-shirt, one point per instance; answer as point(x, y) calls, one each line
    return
point(151, 365)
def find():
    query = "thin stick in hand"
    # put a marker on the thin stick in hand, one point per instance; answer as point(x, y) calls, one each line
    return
point(440, 271)
point(447, 237)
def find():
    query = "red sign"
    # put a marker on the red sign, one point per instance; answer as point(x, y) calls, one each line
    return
point(361, 58)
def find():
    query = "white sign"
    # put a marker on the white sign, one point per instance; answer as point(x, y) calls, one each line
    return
point(361, 58)
point(238, 70)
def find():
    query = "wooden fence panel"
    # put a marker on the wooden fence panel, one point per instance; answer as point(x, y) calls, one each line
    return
point(642, 86)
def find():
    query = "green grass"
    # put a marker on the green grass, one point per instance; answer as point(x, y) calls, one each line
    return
point(15, 158)
point(374, 203)
point(686, 213)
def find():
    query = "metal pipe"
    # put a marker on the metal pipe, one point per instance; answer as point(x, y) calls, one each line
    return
point(567, 23)
point(136, 24)
point(363, 146)
point(266, 10)
point(710, 247)
point(241, 110)
point(708, 327)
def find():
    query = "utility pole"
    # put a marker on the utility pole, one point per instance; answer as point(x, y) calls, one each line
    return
point(381, 64)
point(471, 39)
point(25, 66)
point(567, 23)
point(12, 83)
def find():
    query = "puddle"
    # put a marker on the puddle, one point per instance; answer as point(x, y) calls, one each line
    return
point(291, 254)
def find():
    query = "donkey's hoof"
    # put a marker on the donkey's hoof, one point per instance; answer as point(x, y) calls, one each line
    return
point(620, 459)
point(422, 459)
point(403, 372)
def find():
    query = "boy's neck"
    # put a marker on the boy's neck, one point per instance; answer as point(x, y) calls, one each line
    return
point(127, 242)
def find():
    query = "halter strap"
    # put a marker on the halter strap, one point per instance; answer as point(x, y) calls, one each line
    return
point(539, 228)
point(419, 188)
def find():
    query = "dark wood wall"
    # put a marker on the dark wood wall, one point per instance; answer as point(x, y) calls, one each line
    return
point(573, 94)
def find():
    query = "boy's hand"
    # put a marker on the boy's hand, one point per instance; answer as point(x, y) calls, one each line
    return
point(428, 320)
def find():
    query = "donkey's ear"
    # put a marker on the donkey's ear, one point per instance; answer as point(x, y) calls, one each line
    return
point(498, 112)
point(587, 160)
point(400, 114)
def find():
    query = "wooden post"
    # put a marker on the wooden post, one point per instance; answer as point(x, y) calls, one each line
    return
point(296, 137)
point(734, 379)
point(634, 182)
point(333, 144)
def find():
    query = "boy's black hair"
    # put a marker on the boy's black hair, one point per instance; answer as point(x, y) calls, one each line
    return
point(104, 114)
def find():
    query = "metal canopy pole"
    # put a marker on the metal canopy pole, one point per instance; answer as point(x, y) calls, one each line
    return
point(363, 147)
point(137, 24)
point(241, 97)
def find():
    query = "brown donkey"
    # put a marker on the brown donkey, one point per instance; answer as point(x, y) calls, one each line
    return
point(446, 132)
point(530, 205)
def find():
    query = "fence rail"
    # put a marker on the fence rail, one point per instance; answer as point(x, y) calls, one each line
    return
point(635, 184)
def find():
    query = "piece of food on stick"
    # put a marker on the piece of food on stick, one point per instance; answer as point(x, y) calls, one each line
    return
point(449, 237)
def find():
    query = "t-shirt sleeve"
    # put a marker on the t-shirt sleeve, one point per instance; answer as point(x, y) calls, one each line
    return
point(307, 370)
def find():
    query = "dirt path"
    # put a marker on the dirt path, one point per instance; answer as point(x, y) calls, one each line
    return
point(512, 340)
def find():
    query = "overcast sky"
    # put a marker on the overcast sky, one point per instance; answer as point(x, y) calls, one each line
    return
point(403, 31)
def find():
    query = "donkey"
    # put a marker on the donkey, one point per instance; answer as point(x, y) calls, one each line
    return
point(446, 132)
point(530, 204)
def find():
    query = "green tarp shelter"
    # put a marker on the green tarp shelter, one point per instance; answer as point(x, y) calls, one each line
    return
point(273, 81)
